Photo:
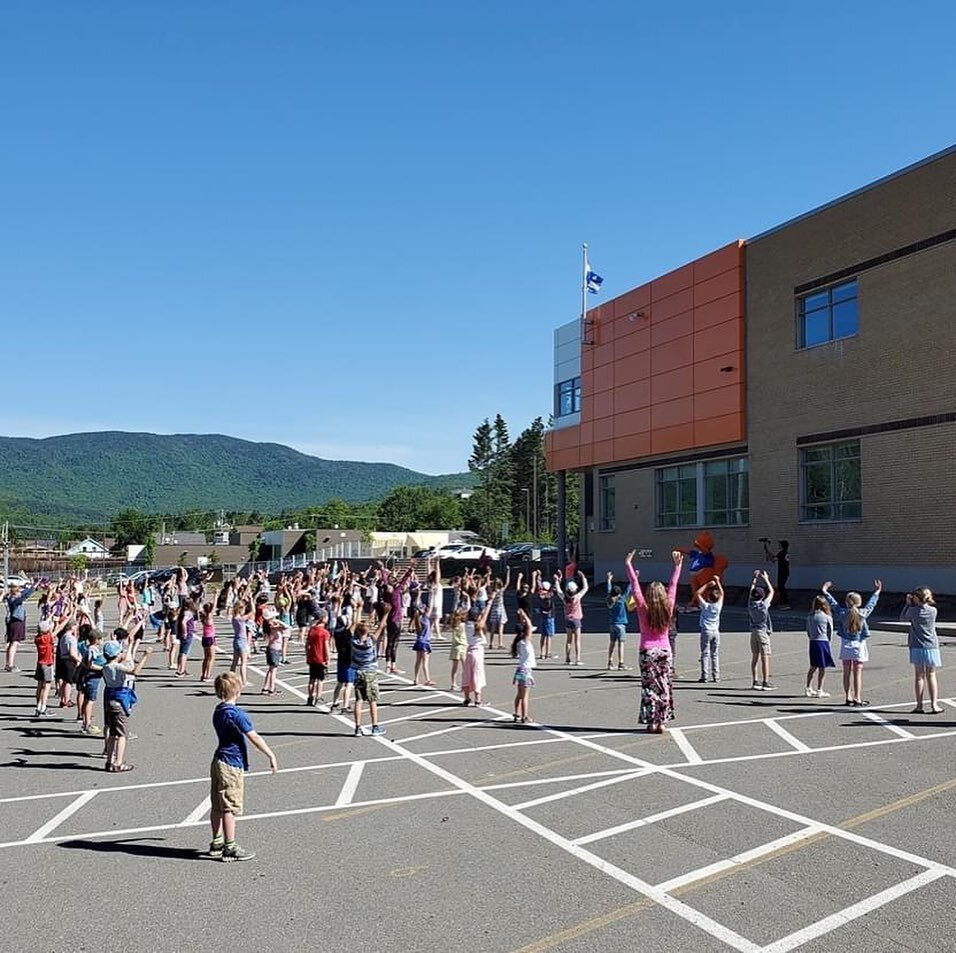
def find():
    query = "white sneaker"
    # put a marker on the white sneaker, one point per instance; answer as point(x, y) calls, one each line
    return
point(810, 693)
point(822, 694)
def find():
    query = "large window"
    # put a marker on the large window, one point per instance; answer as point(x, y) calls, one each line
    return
point(607, 502)
point(830, 484)
point(567, 397)
point(714, 493)
point(827, 315)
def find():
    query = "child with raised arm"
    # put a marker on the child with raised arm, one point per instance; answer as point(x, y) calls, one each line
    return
point(522, 649)
point(229, 762)
point(473, 679)
point(657, 671)
point(819, 632)
point(317, 656)
point(617, 622)
point(545, 613)
point(710, 598)
point(923, 643)
point(761, 625)
point(853, 632)
point(572, 595)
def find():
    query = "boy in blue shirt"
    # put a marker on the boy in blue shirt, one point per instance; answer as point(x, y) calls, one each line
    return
point(233, 727)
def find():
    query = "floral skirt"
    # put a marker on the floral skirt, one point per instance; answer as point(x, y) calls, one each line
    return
point(657, 691)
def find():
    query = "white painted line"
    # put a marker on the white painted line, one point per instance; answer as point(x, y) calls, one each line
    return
point(539, 781)
point(879, 720)
point(949, 701)
point(791, 740)
point(292, 812)
point(419, 699)
point(198, 813)
point(420, 714)
point(854, 912)
point(735, 861)
point(55, 821)
point(351, 784)
point(687, 749)
point(445, 731)
point(561, 795)
point(692, 916)
point(443, 752)
point(771, 808)
point(651, 819)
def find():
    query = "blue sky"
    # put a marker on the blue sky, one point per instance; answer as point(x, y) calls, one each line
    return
point(351, 228)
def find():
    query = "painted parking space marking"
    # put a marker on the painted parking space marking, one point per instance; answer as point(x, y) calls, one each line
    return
point(651, 819)
point(782, 732)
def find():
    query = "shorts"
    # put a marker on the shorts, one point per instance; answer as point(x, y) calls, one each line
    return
point(366, 686)
point(574, 624)
point(760, 641)
point(225, 788)
point(618, 633)
point(344, 674)
point(66, 670)
point(928, 658)
point(92, 688)
point(240, 646)
point(44, 674)
point(303, 616)
point(547, 626)
point(523, 676)
point(422, 645)
point(16, 630)
point(184, 646)
point(318, 670)
point(116, 720)
point(208, 641)
point(273, 657)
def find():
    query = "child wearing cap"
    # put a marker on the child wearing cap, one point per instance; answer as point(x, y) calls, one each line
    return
point(231, 758)
point(118, 700)
point(545, 612)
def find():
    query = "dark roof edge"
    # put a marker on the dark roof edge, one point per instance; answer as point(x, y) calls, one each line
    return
point(935, 157)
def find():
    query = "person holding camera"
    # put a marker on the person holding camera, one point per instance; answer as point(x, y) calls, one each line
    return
point(782, 558)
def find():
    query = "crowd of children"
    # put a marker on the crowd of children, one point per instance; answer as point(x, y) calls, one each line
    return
point(354, 620)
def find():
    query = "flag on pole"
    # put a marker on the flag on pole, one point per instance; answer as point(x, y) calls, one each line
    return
point(592, 279)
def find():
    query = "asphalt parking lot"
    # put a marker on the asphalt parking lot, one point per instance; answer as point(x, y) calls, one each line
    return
point(764, 822)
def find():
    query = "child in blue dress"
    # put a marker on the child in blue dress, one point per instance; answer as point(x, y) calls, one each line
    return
point(422, 624)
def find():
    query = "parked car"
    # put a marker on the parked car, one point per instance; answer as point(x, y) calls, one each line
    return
point(471, 553)
point(17, 579)
point(449, 550)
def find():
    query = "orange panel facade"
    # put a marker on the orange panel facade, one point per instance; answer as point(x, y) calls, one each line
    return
point(665, 370)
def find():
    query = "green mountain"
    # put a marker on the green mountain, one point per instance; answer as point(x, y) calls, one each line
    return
point(88, 476)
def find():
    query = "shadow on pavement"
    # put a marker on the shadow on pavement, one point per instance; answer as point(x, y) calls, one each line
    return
point(138, 849)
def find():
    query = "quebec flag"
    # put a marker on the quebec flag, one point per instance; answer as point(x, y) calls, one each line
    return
point(592, 279)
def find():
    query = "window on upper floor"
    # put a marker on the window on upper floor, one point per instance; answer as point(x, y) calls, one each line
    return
point(830, 482)
point(827, 315)
point(567, 397)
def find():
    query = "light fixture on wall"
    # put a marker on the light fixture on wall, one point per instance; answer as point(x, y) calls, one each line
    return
point(634, 315)
point(728, 369)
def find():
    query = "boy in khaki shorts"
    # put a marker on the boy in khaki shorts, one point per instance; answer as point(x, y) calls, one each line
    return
point(233, 727)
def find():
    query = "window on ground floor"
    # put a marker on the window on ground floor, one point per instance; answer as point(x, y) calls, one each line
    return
point(830, 482)
point(711, 493)
point(607, 502)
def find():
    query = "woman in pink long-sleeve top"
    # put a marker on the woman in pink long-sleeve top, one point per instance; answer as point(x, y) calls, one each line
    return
point(655, 613)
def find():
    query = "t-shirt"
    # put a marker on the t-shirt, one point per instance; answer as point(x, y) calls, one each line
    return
point(117, 674)
point(710, 616)
point(44, 644)
point(317, 645)
point(819, 626)
point(343, 645)
point(364, 656)
point(67, 645)
point(232, 725)
point(922, 620)
point(759, 614)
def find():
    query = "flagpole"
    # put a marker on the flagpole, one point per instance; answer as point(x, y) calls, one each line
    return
point(584, 294)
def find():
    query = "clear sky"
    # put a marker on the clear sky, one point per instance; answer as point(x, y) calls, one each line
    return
point(352, 227)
